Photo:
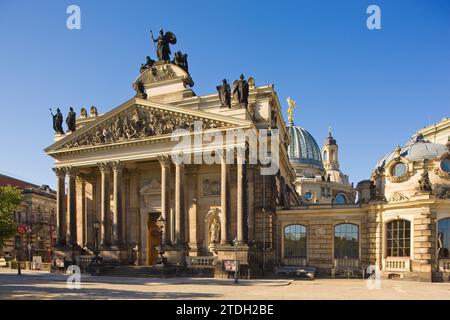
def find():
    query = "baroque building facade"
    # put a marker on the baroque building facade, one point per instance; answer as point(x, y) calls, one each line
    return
point(123, 176)
point(37, 212)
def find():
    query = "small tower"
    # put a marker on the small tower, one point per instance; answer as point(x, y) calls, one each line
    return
point(330, 155)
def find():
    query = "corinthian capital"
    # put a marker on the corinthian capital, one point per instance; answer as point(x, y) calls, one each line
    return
point(164, 161)
point(59, 171)
point(117, 166)
point(71, 171)
point(104, 167)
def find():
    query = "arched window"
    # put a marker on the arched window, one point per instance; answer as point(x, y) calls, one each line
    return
point(444, 238)
point(325, 155)
point(332, 155)
point(295, 241)
point(340, 199)
point(398, 237)
point(346, 241)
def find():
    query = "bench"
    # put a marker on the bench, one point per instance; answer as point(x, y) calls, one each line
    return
point(296, 271)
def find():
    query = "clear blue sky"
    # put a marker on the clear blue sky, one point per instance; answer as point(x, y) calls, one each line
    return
point(375, 88)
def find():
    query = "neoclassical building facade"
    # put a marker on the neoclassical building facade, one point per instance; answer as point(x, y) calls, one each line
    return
point(121, 188)
point(119, 171)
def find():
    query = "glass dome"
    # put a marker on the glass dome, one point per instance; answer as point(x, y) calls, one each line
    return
point(303, 147)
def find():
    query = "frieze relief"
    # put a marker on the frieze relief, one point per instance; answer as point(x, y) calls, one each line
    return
point(136, 123)
point(211, 187)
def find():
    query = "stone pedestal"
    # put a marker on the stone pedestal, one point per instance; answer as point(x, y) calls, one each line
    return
point(230, 252)
point(175, 255)
point(68, 254)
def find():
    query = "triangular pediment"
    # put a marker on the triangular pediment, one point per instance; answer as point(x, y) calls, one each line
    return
point(137, 120)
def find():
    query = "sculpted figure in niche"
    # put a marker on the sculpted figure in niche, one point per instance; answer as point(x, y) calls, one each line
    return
point(214, 232)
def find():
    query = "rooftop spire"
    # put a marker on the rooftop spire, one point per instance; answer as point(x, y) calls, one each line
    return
point(329, 131)
point(291, 104)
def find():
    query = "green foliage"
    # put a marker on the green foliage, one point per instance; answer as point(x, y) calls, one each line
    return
point(10, 199)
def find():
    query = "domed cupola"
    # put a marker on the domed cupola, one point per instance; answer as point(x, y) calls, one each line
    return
point(303, 148)
point(415, 150)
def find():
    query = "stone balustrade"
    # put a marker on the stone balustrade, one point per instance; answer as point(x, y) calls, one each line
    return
point(444, 265)
point(397, 264)
point(346, 263)
point(294, 262)
point(200, 261)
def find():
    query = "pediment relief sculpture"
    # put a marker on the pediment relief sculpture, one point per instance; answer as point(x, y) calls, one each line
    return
point(151, 186)
point(136, 123)
point(397, 197)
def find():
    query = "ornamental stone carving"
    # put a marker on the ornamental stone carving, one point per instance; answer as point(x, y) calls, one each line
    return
point(442, 174)
point(425, 183)
point(398, 197)
point(136, 123)
point(445, 195)
point(211, 187)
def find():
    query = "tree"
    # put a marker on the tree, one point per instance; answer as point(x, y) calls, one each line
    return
point(10, 199)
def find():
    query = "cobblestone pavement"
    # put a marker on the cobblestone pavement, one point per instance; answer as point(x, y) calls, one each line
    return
point(39, 285)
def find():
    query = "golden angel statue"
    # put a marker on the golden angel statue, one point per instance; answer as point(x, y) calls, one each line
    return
point(291, 104)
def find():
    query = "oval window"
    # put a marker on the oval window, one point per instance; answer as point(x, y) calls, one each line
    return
point(399, 169)
point(308, 196)
point(445, 165)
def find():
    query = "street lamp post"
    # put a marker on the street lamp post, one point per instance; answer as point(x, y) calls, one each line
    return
point(96, 259)
point(160, 222)
point(235, 242)
point(18, 248)
point(29, 247)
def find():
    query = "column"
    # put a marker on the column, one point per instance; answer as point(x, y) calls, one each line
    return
point(224, 188)
point(117, 167)
point(165, 196)
point(81, 201)
point(191, 196)
point(72, 206)
point(60, 212)
point(104, 204)
point(240, 199)
point(179, 203)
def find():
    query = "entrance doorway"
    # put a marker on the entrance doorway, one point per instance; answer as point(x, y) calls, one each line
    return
point(154, 238)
